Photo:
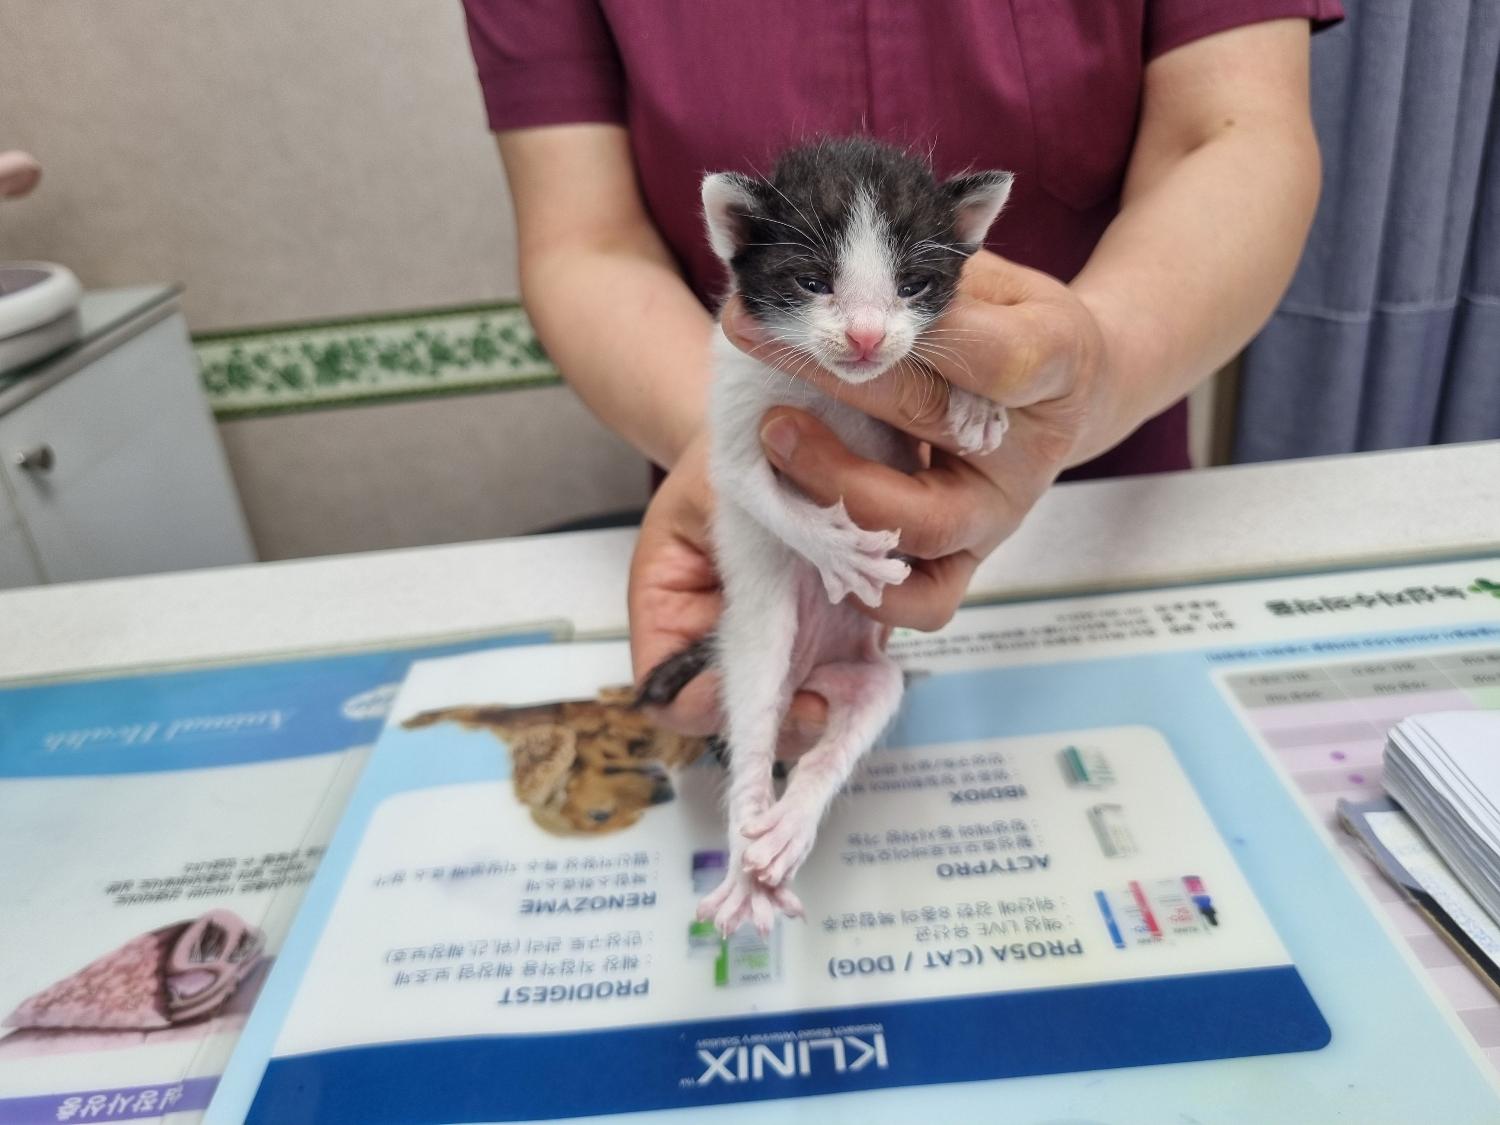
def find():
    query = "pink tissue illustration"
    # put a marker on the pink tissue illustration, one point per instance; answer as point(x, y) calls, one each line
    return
point(164, 979)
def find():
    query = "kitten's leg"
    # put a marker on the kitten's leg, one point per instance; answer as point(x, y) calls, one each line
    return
point(756, 636)
point(849, 559)
point(976, 423)
point(862, 697)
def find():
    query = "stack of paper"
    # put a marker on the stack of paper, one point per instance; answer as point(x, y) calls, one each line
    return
point(1444, 769)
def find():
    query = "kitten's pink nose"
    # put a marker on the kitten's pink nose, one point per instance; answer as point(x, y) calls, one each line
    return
point(864, 341)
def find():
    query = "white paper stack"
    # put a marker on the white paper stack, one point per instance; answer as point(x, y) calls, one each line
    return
point(1444, 769)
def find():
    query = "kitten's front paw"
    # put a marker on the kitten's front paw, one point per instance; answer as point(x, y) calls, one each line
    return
point(856, 561)
point(742, 898)
point(977, 424)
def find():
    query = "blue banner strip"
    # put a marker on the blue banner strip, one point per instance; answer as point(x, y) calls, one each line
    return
point(962, 1039)
point(125, 1103)
point(210, 717)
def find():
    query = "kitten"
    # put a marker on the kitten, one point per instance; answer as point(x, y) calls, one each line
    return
point(845, 255)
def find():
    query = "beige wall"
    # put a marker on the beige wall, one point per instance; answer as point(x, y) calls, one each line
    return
point(290, 160)
point(285, 159)
point(432, 471)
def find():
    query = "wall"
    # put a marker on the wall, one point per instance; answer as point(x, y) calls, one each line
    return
point(286, 160)
point(290, 161)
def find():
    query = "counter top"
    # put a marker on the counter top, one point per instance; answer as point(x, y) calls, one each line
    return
point(1226, 523)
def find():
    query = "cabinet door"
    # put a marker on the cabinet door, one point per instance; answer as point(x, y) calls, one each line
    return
point(17, 564)
point(131, 479)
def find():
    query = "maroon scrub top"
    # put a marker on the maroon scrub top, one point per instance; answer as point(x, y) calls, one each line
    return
point(1048, 89)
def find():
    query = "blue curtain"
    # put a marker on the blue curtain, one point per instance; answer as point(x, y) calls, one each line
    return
point(1390, 333)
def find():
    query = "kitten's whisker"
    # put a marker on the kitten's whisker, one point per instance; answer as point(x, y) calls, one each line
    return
point(947, 357)
point(928, 244)
point(929, 384)
point(812, 222)
point(789, 226)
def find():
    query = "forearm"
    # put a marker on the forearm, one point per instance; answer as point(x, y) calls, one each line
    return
point(602, 289)
point(1204, 246)
point(628, 336)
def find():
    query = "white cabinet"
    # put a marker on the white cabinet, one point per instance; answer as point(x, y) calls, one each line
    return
point(17, 558)
point(114, 467)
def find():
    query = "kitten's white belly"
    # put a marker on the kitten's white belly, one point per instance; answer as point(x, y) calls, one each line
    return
point(746, 552)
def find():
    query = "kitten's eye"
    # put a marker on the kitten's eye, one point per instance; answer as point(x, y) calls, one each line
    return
point(815, 285)
point(912, 287)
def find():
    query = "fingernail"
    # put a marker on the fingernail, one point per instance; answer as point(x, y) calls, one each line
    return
point(780, 436)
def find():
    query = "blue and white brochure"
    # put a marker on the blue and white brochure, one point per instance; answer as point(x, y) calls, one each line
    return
point(1073, 884)
point(1068, 883)
point(156, 832)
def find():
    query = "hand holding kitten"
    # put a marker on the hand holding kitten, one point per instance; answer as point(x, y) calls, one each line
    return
point(1015, 337)
point(1019, 337)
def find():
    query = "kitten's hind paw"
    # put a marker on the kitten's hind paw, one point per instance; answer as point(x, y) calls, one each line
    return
point(742, 898)
point(782, 838)
point(977, 424)
point(856, 561)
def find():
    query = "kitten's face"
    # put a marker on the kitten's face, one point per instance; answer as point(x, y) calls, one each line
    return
point(850, 250)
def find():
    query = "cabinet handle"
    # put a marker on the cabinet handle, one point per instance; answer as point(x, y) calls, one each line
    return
point(37, 459)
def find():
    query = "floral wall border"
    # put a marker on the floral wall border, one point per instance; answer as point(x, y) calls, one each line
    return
point(370, 359)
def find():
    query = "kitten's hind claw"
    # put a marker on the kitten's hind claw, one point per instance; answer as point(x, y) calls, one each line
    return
point(788, 902)
point(742, 898)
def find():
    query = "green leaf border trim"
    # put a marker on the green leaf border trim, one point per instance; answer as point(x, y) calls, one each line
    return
point(371, 359)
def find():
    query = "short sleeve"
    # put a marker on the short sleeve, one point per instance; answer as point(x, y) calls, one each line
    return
point(1172, 23)
point(545, 62)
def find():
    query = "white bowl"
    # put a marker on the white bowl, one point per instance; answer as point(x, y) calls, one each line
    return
point(38, 312)
point(34, 294)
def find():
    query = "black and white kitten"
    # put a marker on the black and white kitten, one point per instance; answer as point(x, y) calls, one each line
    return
point(845, 255)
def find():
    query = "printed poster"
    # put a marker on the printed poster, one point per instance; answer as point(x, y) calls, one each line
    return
point(158, 830)
point(1070, 857)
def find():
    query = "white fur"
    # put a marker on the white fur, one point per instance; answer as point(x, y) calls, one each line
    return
point(978, 210)
point(866, 276)
point(724, 197)
point(787, 566)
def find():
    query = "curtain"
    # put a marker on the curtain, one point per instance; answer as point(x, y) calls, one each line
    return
point(1390, 333)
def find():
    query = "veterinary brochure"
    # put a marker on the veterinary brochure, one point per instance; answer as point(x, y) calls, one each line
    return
point(1081, 878)
point(157, 830)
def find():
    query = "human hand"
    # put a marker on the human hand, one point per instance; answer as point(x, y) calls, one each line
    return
point(1013, 335)
point(19, 173)
point(674, 599)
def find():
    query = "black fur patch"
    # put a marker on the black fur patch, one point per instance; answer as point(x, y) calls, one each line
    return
point(801, 213)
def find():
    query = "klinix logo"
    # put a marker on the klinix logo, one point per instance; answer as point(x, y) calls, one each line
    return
point(841, 1050)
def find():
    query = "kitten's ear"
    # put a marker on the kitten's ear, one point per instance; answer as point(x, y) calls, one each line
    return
point(977, 198)
point(729, 199)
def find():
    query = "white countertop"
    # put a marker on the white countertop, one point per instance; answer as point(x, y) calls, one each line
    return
point(1147, 531)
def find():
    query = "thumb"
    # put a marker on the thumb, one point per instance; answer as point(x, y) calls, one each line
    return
point(807, 451)
point(814, 459)
point(995, 280)
point(740, 328)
